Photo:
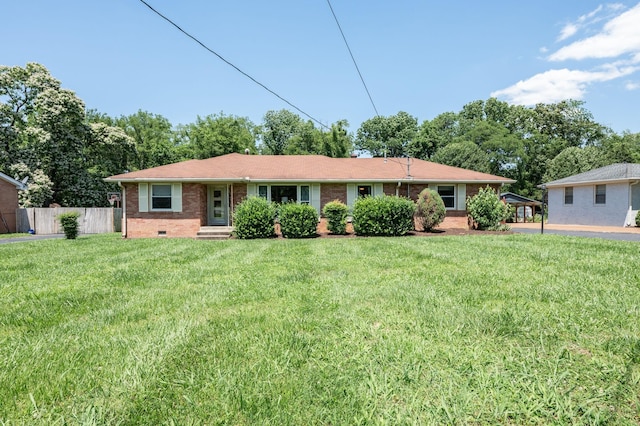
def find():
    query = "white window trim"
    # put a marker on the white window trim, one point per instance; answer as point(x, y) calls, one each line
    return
point(454, 196)
point(145, 199)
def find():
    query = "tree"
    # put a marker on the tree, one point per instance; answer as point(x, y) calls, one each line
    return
point(46, 137)
point(337, 143)
point(573, 160)
point(216, 135)
point(391, 136)
point(154, 139)
point(466, 155)
point(279, 128)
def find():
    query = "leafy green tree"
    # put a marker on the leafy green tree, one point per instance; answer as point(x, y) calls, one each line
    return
point(466, 155)
point(154, 139)
point(216, 135)
point(573, 160)
point(46, 137)
point(279, 128)
point(391, 135)
point(337, 142)
point(433, 135)
point(623, 148)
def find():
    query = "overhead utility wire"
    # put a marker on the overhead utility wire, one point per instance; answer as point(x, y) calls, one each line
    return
point(352, 58)
point(230, 64)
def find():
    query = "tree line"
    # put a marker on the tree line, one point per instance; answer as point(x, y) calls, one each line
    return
point(65, 151)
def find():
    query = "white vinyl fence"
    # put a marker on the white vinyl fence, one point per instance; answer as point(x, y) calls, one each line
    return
point(93, 220)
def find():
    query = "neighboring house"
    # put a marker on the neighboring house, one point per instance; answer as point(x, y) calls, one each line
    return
point(608, 196)
point(178, 199)
point(9, 188)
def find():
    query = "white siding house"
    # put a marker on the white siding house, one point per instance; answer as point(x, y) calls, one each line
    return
point(608, 196)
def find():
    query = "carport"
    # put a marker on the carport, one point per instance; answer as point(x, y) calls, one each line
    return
point(520, 201)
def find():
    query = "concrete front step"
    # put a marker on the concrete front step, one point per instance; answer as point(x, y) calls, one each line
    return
point(214, 233)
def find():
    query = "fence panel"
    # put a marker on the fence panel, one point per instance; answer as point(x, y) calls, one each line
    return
point(94, 220)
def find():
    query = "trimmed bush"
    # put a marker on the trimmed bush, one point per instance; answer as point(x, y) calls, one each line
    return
point(430, 210)
point(336, 214)
point(254, 218)
point(638, 219)
point(487, 210)
point(70, 225)
point(298, 220)
point(383, 215)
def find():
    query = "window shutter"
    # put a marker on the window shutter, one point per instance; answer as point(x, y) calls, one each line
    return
point(377, 189)
point(462, 197)
point(143, 197)
point(176, 197)
point(251, 190)
point(352, 194)
point(315, 196)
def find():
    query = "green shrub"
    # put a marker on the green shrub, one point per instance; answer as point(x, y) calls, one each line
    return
point(487, 210)
point(430, 210)
point(336, 214)
point(383, 215)
point(254, 218)
point(638, 219)
point(298, 220)
point(70, 225)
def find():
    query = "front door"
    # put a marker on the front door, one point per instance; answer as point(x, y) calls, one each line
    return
point(218, 205)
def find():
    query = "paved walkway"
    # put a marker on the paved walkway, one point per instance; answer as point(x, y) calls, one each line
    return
point(30, 238)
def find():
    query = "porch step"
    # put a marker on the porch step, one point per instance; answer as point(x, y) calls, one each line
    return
point(214, 232)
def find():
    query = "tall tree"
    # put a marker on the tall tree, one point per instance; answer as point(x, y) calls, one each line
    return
point(466, 155)
point(279, 128)
point(220, 134)
point(391, 136)
point(154, 138)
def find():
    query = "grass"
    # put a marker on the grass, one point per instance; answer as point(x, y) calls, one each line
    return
point(15, 235)
point(510, 329)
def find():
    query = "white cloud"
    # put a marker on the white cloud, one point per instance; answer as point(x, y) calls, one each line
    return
point(621, 35)
point(632, 85)
point(567, 31)
point(556, 85)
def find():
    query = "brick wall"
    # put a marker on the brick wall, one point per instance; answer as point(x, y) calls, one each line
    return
point(332, 191)
point(171, 224)
point(8, 206)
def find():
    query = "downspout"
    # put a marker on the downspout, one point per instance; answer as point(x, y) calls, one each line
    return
point(123, 223)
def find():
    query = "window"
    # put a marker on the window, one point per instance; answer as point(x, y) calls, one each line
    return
point(568, 195)
point(364, 190)
point(284, 194)
point(304, 194)
point(601, 194)
point(161, 197)
point(448, 195)
point(262, 191)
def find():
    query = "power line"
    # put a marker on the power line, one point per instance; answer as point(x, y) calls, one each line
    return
point(352, 58)
point(230, 64)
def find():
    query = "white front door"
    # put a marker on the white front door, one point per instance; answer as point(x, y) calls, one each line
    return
point(218, 205)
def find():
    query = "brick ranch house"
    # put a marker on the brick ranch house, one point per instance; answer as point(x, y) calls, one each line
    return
point(177, 200)
point(9, 188)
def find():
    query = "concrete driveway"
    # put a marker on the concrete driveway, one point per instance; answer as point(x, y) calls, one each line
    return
point(30, 238)
point(606, 232)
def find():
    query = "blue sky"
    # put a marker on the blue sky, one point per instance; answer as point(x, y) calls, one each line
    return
point(422, 57)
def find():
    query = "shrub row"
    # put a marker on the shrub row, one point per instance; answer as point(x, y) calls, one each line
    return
point(382, 215)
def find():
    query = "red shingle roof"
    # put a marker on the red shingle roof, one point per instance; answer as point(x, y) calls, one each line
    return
point(310, 168)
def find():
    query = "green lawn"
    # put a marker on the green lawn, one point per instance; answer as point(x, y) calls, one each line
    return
point(506, 329)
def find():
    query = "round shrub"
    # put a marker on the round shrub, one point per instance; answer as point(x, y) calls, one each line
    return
point(430, 210)
point(487, 210)
point(254, 218)
point(298, 220)
point(336, 214)
point(383, 215)
point(70, 225)
point(638, 219)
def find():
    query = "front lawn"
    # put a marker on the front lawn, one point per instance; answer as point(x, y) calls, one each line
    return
point(507, 329)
